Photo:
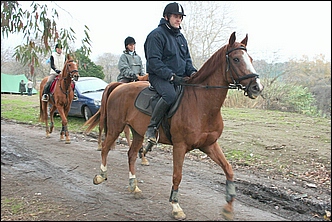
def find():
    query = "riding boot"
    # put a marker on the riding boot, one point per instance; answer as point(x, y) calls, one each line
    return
point(46, 91)
point(157, 114)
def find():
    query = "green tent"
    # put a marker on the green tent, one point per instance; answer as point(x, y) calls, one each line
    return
point(10, 83)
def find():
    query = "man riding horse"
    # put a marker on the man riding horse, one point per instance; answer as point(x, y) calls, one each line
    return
point(168, 63)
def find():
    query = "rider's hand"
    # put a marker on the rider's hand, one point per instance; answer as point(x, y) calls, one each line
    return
point(177, 79)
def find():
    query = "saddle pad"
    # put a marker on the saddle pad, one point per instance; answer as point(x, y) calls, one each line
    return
point(144, 100)
point(147, 99)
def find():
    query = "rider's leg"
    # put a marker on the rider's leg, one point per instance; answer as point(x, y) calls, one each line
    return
point(47, 87)
point(157, 114)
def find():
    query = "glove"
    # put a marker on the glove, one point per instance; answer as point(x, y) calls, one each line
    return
point(178, 80)
point(134, 77)
point(57, 71)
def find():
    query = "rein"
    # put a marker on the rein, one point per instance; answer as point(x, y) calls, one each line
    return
point(236, 83)
point(65, 78)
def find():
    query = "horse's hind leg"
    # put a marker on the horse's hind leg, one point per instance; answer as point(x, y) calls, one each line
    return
point(144, 161)
point(132, 156)
point(64, 134)
point(52, 110)
point(215, 153)
point(106, 146)
point(44, 106)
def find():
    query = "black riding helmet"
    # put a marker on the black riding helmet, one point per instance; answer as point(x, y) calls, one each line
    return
point(173, 8)
point(129, 40)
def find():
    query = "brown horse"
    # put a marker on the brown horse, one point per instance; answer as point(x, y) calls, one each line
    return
point(197, 123)
point(102, 112)
point(61, 99)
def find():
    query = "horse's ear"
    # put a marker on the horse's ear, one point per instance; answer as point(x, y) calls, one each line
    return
point(232, 39)
point(245, 40)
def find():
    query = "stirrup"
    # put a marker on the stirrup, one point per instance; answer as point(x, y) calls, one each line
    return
point(153, 140)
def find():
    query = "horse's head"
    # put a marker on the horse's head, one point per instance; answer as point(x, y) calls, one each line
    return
point(72, 69)
point(240, 71)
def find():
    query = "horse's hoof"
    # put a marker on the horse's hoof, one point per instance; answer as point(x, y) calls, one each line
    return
point(98, 179)
point(137, 193)
point(98, 149)
point(179, 215)
point(145, 163)
point(67, 142)
point(227, 215)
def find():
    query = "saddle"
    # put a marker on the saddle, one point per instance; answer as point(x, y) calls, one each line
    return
point(54, 83)
point(147, 99)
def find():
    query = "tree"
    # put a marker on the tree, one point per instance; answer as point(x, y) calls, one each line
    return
point(39, 30)
point(207, 26)
point(87, 67)
point(109, 62)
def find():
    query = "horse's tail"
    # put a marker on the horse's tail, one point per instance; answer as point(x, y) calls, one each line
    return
point(100, 116)
point(92, 122)
point(103, 107)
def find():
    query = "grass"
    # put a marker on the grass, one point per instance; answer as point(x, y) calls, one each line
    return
point(25, 109)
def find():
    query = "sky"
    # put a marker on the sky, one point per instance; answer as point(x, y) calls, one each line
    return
point(277, 30)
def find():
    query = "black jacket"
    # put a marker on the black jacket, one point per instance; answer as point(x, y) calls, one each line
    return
point(166, 52)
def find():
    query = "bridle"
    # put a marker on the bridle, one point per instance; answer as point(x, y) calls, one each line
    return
point(71, 75)
point(236, 82)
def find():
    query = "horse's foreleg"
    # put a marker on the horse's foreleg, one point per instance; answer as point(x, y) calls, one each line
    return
point(178, 158)
point(64, 134)
point(215, 153)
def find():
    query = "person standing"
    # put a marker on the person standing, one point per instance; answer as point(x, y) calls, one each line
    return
point(168, 63)
point(57, 61)
point(22, 88)
point(130, 63)
point(29, 86)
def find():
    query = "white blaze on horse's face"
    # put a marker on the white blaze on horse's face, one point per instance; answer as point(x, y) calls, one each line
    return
point(247, 61)
point(251, 68)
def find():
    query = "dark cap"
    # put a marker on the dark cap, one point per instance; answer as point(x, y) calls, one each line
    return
point(129, 40)
point(58, 46)
point(174, 8)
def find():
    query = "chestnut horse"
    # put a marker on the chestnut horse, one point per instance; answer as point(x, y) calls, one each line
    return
point(197, 123)
point(102, 112)
point(61, 99)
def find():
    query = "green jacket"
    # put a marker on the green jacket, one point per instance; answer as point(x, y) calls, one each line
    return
point(130, 66)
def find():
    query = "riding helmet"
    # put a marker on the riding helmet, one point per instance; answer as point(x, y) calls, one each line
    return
point(129, 40)
point(174, 8)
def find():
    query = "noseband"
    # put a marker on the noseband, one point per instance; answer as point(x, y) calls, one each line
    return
point(237, 82)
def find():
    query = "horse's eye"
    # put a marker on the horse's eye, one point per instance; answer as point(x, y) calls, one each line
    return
point(236, 60)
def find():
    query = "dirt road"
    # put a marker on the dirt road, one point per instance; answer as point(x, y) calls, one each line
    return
point(53, 181)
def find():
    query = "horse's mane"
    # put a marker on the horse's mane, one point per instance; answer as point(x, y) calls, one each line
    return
point(210, 65)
